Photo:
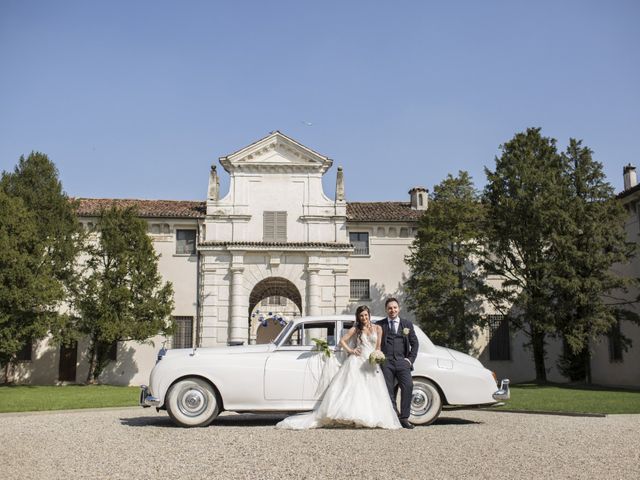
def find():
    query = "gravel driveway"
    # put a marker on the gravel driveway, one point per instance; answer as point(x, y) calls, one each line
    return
point(137, 443)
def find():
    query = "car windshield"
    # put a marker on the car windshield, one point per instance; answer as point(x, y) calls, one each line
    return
point(283, 334)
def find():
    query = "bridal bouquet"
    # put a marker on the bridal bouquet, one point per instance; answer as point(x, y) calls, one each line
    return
point(377, 358)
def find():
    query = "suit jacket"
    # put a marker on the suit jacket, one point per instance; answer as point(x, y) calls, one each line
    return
point(410, 340)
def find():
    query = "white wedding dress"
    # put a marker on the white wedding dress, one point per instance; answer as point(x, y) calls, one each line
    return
point(356, 396)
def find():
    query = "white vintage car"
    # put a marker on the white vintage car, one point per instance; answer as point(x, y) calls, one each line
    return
point(195, 385)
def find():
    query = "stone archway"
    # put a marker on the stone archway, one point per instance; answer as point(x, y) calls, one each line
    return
point(264, 323)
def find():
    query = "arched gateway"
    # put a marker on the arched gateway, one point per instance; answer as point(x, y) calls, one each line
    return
point(272, 302)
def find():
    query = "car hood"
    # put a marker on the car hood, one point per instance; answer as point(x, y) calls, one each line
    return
point(225, 350)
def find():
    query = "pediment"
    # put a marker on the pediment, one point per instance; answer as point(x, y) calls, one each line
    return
point(278, 153)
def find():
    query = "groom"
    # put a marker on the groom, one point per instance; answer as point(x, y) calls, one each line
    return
point(400, 346)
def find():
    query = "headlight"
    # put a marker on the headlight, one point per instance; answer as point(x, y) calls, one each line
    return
point(495, 377)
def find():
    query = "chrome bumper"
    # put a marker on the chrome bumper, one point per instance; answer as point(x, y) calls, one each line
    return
point(146, 399)
point(503, 393)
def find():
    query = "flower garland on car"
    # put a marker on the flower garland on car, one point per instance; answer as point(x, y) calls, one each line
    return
point(322, 346)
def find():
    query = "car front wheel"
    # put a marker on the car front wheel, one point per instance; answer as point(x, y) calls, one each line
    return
point(191, 402)
point(426, 402)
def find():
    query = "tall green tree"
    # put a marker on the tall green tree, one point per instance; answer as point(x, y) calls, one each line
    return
point(526, 200)
point(590, 242)
point(57, 235)
point(27, 289)
point(122, 296)
point(445, 282)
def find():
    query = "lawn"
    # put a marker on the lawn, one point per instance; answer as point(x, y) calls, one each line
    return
point(576, 399)
point(539, 398)
point(27, 398)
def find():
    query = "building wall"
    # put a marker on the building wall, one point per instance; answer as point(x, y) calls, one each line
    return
point(384, 266)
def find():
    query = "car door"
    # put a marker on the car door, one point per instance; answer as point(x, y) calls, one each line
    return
point(292, 371)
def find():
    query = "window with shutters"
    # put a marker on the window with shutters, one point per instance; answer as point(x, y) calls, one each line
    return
point(499, 338)
point(183, 334)
point(275, 227)
point(359, 290)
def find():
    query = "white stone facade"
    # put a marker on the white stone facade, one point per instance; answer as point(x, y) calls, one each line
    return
point(276, 246)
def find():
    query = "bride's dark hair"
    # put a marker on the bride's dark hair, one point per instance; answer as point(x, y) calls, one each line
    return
point(359, 326)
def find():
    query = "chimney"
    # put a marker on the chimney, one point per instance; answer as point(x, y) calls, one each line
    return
point(419, 198)
point(630, 178)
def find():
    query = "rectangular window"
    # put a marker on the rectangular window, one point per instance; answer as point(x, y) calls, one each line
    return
point(24, 354)
point(274, 227)
point(499, 338)
point(359, 290)
point(186, 242)
point(182, 338)
point(615, 343)
point(360, 242)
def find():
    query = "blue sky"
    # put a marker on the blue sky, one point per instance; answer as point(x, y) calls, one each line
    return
point(135, 99)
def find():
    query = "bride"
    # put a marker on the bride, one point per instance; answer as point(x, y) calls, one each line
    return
point(358, 394)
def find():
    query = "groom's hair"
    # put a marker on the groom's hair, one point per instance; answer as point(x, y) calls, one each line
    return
point(389, 300)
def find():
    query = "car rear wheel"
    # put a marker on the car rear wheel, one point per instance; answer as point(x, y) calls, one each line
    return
point(426, 402)
point(192, 402)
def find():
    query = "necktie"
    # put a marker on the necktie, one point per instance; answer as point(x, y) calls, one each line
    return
point(394, 326)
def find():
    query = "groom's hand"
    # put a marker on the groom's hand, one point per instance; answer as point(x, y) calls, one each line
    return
point(408, 361)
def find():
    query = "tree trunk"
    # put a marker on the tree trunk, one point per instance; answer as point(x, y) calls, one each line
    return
point(587, 365)
point(93, 352)
point(537, 343)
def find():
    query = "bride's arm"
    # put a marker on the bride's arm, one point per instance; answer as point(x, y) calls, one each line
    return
point(344, 342)
point(379, 335)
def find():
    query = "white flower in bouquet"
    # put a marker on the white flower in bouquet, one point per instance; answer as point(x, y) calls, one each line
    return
point(377, 358)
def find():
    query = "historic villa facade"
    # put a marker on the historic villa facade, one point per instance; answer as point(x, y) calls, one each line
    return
point(274, 247)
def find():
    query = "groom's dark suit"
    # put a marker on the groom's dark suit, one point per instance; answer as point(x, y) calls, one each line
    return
point(401, 350)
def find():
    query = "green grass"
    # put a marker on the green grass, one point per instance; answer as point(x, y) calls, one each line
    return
point(542, 398)
point(572, 399)
point(37, 398)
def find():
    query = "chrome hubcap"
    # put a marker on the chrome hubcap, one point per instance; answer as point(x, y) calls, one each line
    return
point(193, 402)
point(420, 402)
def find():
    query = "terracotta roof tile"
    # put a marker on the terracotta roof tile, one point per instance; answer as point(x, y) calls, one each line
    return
point(382, 212)
point(356, 211)
point(279, 244)
point(90, 207)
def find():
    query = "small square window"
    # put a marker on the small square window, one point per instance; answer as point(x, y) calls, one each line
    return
point(24, 354)
point(360, 242)
point(110, 350)
point(182, 338)
point(185, 242)
point(359, 290)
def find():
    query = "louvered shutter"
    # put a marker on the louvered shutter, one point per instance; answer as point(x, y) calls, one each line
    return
point(281, 226)
point(269, 227)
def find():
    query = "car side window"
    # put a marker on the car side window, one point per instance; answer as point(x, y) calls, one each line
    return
point(304, 334)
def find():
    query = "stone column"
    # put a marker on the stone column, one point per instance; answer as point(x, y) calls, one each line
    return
point(313, 289)
point(238, 326)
